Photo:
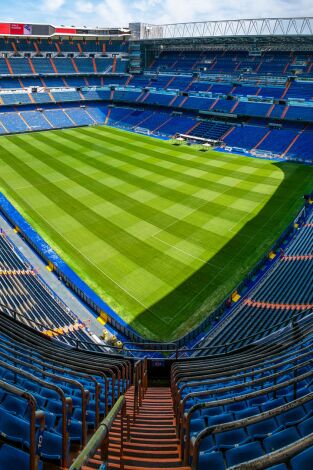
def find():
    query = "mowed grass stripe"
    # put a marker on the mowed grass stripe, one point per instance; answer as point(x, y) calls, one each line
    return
point(124, 242)
point(182, 153)
point(175, 195)
point(254, 170)
point(214, 208)
point(150, 214)
point(71, 253)
point(258, 173)
point(209, 171)
point(201, 183)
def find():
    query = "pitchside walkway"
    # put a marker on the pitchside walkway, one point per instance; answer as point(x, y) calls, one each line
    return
point(62, 291)
point(152, 443)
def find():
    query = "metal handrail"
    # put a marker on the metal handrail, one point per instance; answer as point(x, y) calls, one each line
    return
point(278, 456)
point(138, 385)
point(238, 386)
point(235, 399)
point(215, 429)
point(196, 370)
point(34, 416)
point(32, 369)
point(67, 404)
point(115, 361)
point(100, 437)
point(226, 346)
point(74, 342)
point(214, 378)
point(201, 362)
point(176, 349)
point(32, 360)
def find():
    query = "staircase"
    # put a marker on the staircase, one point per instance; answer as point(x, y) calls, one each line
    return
point(153, 443)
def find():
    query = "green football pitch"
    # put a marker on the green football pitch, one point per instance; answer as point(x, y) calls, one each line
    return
point(162, 233)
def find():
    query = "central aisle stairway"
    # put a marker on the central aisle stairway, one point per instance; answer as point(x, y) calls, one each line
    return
point(153, 442)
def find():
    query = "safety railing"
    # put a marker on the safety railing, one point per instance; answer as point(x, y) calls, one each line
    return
point(235, 424)
point(40, 327)
point(34, 416)
point(222, 348)
point(282, 455)
point(66, 403)
point(184, 420)
point(201, 368)
point(140, 382)
point(100, 439)
point(265, 461)
point(170, 350)
point(109, 367)
point(246, 375)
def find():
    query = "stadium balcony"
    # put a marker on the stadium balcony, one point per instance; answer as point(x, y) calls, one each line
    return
point(12, 122)
point(42, 65)
point(4, 70)
point(301, 146)
point(58, 118)
point(63, 65)
point(35, 120)
point(84, 65)
point(79, 116)
point(6, 45)
point(210, 130)
point(46, 45)
point(245, 136)
point(62, 96)
point(277, 140)
point(9, 83)
point(20, 66)
point(15, 98)
point(62, 46)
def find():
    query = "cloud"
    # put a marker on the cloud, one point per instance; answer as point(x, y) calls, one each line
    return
point(121, 12)
point(84, 7)
point(52, 5)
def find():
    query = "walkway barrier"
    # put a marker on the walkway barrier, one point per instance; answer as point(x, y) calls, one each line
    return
point(100, 439)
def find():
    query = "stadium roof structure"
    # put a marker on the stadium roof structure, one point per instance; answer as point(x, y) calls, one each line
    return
point(261, 34)
point(297, 26)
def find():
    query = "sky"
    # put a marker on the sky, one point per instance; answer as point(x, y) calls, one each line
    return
point(121, 12)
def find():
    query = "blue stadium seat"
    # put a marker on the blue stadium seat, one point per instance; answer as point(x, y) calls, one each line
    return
point(213, 460)
point(13, 428)
point(243, 453)
point(19, 459)
point(228, 439)
point(281, 439)
point(263, 429)
point(51, 448)
point(303, 461)
point(306, 427)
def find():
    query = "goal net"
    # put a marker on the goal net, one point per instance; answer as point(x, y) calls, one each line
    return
point(142, 130)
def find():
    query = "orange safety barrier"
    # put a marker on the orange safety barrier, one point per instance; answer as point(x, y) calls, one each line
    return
point(276, 306)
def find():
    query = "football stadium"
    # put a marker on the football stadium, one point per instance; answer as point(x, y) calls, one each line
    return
point(156, 246)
